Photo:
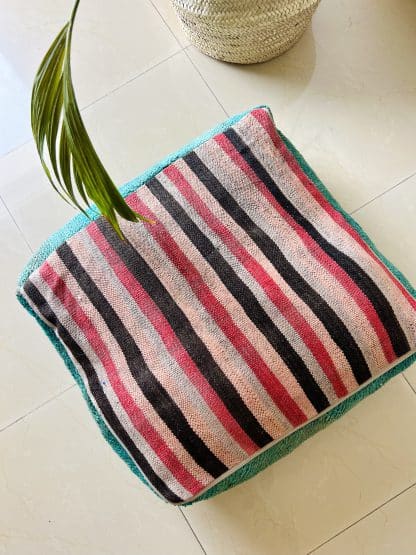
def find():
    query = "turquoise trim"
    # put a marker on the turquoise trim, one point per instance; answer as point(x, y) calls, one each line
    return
point(289, 443)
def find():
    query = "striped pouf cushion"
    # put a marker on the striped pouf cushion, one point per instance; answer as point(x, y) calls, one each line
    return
point(252, 313)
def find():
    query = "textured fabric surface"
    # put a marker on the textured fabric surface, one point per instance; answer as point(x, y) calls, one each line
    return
point(251, 307)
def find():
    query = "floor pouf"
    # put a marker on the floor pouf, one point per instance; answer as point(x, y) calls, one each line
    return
point(251, 314)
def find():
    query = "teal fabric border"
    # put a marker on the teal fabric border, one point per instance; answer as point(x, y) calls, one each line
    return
point(297, 437)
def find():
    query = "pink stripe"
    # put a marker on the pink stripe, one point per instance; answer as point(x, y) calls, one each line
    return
point(223, 352)
point(173, 345)
point(294, 251)
point(136, 416)
point(320, 255)
point(223, 319)
point(265, 120)
point(207, 426)
point(273, 291)
point(223, 168)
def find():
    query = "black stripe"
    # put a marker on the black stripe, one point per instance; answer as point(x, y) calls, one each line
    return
point(150, 386)
point(96, 390)
point(243, 295)
point(335, 326)
point(354, 270)
point(187, 335)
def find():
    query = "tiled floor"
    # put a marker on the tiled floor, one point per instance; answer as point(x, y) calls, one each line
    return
point(346, 96)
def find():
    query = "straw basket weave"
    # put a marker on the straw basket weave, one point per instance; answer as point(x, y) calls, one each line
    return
point(244, 31)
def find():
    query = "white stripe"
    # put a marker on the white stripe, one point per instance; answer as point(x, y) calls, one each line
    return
point(227, 357)
point(269, 220)
point(271, 310)
point(188, 397)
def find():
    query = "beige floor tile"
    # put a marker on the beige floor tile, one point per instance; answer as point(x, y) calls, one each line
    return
point(64, 491)
point(390, 220)
point(132, 129)
point(344, 94)
point(326, 484)
point(31, 371)
point(168, 13)
point(113, 42)
point(390, 529)
point(35, 206)
point(151, 117)
point(410, 375)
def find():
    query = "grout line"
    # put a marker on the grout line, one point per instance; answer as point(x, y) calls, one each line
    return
point(408, 383)
point(166, 24)
point(314, 550)
point(16, 224)
point(184, 49)
point(192, 530)
point(160, 62)
point(14, 148)
point(157, 64)
point(383, 193)
point(36, 408)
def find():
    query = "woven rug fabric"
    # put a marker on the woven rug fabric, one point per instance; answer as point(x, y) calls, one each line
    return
point(250, 307)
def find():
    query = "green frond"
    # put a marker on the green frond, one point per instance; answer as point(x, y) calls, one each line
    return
point(65, 149)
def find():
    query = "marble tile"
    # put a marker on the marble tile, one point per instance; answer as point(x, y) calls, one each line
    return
point(64, 490)
point(345, 95)
point(388, 530)
point(131, 129)
point(110, 46)
point(326, 484)
point(31, 371)
point(410, 376)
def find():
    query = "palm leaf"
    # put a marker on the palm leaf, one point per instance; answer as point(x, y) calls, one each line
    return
point(66, 152)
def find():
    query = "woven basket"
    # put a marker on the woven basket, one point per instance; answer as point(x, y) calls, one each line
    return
point(244, 31)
